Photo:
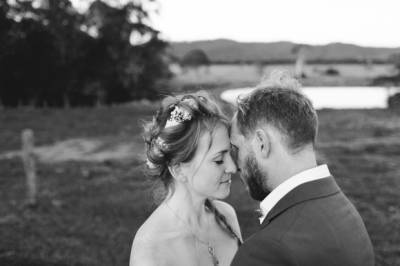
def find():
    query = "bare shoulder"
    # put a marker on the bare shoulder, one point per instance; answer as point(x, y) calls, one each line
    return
point(230, 214)
point(225, 208)
point(146, 246)
point(143, 253)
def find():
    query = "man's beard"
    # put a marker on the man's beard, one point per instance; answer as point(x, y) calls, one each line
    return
point(252, 175)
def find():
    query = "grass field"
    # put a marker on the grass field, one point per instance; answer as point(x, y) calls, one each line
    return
point(89, 212)
point(233, 76)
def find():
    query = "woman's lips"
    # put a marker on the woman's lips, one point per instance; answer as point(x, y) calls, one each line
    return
point(227, 178)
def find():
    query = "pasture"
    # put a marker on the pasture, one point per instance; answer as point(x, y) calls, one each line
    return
point(233, 76)
point(89, 211)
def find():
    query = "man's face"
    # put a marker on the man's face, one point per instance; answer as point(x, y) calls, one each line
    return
point(250, 172)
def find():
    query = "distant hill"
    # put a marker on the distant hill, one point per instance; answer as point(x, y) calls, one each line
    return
point(228, 51)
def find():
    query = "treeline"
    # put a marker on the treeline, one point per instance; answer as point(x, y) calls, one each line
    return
point(292, 61)
point(52, 55)
point(234, 52)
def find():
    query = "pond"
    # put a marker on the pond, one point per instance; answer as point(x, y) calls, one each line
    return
point(334, 97)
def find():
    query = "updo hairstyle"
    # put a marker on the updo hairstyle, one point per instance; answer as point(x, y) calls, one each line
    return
point(173, 135)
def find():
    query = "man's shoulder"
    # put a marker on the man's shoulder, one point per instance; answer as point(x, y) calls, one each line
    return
point(316, 217)
point(312, 216)
point(325, 228)
point(259, 250)
point(285, 221)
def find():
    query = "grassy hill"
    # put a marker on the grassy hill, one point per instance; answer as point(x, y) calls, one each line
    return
point(88, 212)
point(228, 51)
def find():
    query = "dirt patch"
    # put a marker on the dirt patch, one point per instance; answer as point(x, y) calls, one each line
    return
point(90, 150)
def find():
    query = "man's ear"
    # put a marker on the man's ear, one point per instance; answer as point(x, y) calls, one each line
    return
point(177, 173)
point(263, 142)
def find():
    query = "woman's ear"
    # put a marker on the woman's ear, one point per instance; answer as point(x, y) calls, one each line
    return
point(177, 173)
point(263, 142)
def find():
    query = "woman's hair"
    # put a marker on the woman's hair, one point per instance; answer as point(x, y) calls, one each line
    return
point(173, 135)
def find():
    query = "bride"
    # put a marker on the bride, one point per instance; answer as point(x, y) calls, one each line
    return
point(188, 150)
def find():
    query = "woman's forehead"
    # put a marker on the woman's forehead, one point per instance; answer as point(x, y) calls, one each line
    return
point(220, 141)
point(213, 142)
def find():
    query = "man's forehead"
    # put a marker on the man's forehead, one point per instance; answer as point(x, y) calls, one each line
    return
point(234, 131)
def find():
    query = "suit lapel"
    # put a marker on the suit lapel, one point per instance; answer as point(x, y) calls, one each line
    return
point(307, 191)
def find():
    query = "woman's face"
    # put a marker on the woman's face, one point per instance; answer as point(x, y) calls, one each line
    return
point(209, 174)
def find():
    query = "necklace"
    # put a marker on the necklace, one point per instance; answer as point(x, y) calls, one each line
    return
point(210, 248)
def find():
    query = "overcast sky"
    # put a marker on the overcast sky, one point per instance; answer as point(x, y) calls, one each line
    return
point(367, 22)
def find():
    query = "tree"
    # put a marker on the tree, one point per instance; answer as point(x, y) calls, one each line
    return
point(195, 58)
point(300, 50)
point(54, 56)
point(394, 102)
point(127, 71)
point(393, 80)
point(395, 58)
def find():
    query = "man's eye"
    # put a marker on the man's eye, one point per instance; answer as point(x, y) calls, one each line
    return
point(219, 162)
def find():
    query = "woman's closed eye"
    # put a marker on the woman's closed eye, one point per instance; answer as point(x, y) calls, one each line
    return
point(219, 162)
point(220, 159)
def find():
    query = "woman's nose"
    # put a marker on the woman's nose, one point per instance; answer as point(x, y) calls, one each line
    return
point(231, 165)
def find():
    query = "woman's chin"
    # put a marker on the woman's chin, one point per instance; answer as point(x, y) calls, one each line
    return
point(225, 191)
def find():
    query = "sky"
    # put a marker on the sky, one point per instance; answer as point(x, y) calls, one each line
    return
point(367, 23)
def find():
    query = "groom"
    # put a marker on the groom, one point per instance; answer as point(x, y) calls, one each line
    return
point(306, 219)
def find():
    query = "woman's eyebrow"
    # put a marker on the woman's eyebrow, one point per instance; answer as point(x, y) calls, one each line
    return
point(220, 152)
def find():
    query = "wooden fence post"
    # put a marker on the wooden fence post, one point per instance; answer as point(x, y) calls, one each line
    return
point(29, 166)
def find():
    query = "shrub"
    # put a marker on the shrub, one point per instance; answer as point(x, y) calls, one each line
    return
point(195, 58)
point(332, 72)
point(394, 102)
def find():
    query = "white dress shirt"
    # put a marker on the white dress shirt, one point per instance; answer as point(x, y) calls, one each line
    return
point(283, 189)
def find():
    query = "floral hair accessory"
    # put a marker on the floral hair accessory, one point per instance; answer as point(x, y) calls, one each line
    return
point(178, 115)
point(150, 164)
point(161, 143)
point(191, 102)
point(159, 146)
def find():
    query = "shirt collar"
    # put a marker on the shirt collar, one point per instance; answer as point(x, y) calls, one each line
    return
point(288, 185)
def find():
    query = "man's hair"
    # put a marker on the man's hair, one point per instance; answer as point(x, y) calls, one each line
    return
point(277, 101)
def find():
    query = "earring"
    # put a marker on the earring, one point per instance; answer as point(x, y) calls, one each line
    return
point(183, 179)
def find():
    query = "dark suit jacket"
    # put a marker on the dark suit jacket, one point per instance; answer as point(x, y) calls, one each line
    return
point(313, 225)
